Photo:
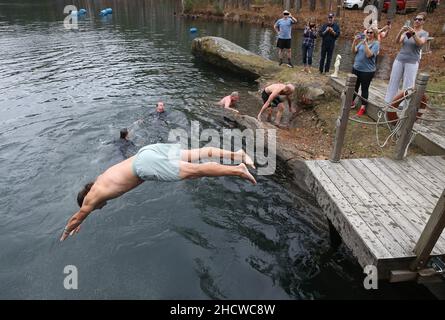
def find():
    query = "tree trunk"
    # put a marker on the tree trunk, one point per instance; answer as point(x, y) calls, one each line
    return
point(392, 9)
point(423, 5)
point(313, 5)
point(338, 8)
point(297, 5)
point(286, 4)
point(380, 9)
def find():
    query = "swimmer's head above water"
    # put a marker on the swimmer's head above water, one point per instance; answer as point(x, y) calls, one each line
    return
point(124, 133)
point(160, 107)
point(234, 96)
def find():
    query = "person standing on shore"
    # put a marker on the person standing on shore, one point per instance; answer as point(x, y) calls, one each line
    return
point(329, 32)
point(309, 36)
point(365, 48)
point(283, 27)
point(406, 64)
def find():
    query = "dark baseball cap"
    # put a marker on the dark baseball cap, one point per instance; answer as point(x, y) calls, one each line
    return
point(331, 15)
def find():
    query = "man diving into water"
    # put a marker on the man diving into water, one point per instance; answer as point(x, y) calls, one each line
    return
point(162, 162)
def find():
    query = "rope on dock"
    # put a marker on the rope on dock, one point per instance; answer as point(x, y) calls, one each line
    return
point(435, 92)
point(375, 123)
point(382, 113)
point(386, 106)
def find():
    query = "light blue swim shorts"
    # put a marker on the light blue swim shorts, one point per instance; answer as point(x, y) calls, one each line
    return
point(158, 162)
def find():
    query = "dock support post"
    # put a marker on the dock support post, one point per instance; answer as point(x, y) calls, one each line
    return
point(411, 112)
point(342, 121)
point(430, 235)
point(334, 236)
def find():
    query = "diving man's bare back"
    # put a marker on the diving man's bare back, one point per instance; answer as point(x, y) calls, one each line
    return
point(120, 178)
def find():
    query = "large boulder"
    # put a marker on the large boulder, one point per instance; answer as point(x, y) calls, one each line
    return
point(227, 55)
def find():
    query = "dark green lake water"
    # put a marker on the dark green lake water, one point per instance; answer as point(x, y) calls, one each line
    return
point(64, 95)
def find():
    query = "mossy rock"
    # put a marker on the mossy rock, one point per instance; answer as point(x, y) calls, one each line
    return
point(227, 55)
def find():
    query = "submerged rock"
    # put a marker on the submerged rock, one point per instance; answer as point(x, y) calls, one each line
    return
point(227, 55)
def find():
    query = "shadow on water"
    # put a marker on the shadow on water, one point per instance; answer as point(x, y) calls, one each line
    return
point(64, 96)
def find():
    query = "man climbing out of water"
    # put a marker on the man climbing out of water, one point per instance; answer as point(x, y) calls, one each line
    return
point(271, 98)
point(161, 162)
point(229, 102)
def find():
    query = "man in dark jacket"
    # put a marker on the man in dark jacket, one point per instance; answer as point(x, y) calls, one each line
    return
point(329, 32)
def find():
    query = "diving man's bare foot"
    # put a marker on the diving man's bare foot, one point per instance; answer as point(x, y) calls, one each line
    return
point(245, 174)
point(244, 157)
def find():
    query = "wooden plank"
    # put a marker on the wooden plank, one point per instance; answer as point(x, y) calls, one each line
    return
point(364, 244)
point(431, 192)
point(423, 212)
point(364, 210)
point(386, 199)
point(392, 195)
point(386, 217)
point(423, 161)
point(403, 192)
point(430, 235)
point(427, 184)
point(437, 163)
point(431, 177)
point(405, 179)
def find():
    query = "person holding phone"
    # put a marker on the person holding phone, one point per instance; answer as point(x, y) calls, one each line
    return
point(283, 28)
point(406, 64)
point(309, 36)
point(366, 48)
point(329, 32)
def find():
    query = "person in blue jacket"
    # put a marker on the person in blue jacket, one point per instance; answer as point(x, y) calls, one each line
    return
point(329, 32)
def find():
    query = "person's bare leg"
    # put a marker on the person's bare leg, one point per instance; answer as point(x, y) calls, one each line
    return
point(269, 114)
point(280, 109)
point(189, 170)
point(210, 152)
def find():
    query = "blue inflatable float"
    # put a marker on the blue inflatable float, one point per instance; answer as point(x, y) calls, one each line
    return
point(106, 11)
point(193, 30)
point(81, 12)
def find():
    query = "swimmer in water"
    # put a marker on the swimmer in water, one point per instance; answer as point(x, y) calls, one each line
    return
point(160, 107)
point(229, 102)
point(160, 162)
point(125, 144)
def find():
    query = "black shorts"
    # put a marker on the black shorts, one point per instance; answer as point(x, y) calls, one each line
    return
point(283, 43)
point(275, 102)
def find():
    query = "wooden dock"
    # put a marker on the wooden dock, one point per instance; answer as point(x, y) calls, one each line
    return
point(430, 136)
point(380, 206)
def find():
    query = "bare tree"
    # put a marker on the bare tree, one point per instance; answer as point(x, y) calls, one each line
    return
point(423, 5)
point(338, 7)
point(380, 8)
point(297, 5)
point(392, 9)
point(313, 4)
point(286, 4)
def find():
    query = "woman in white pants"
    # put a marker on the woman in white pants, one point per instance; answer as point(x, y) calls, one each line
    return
point(406, 64)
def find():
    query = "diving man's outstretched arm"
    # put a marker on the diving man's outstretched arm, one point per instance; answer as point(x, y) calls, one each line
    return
point(73, 225)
